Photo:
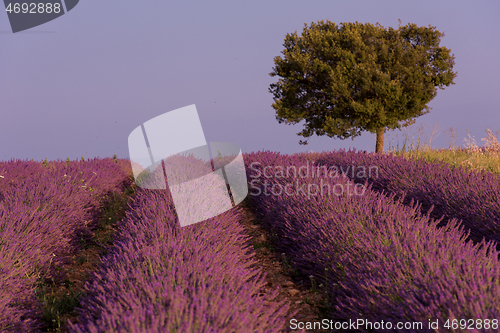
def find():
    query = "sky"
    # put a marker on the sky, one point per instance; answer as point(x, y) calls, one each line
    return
point(77, 86)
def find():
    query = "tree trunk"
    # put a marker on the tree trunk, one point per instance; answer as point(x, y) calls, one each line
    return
point(379, 147)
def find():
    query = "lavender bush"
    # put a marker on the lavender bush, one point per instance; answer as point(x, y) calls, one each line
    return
point(42, 206)
point(472, 197)
point(160, 277)
point(378, 258)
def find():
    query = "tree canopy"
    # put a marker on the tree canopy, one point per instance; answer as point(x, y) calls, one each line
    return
point(353, 77)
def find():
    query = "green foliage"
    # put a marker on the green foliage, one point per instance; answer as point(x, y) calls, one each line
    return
point(55, 307)
point(353, 77)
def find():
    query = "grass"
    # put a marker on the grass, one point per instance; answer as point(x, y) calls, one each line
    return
point(57, 306)
point(457, 158)
point(470, 156)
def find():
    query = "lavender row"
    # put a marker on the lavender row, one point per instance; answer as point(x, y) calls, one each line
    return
point(41, 211)
point(378, 259)
point(161, 277)
point(473, 197)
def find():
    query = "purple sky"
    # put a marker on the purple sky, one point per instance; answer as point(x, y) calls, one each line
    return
point(78, 85)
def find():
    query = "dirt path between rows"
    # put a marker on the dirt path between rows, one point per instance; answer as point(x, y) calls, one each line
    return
point(293, 288)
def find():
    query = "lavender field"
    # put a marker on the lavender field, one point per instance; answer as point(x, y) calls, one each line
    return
point(46, 209)
point(381, 257)
point(378, 237)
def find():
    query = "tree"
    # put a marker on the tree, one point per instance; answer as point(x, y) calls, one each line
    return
point(348, 78)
